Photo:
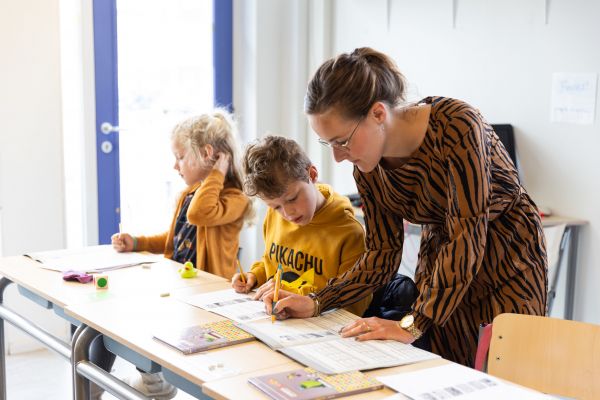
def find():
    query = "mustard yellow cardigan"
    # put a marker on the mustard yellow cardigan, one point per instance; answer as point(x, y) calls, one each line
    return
point(218, 214)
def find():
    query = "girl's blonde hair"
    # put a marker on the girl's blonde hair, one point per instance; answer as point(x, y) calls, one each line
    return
point(219, 130)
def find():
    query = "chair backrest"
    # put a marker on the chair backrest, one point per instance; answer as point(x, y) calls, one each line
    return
point(551, 355)
point(506, 135)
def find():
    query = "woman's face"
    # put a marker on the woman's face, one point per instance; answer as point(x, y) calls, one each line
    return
point(359, 141)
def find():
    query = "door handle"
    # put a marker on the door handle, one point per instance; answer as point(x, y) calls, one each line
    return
point(107, 127)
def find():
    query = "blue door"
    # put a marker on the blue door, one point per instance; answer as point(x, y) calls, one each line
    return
point(114, 97)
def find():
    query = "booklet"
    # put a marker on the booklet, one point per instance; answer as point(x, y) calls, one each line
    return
point(239, 307)
point(308, 384)
point(316, 343)
point(91, 259)
point(204, 337)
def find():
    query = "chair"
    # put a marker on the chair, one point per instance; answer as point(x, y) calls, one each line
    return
point(555, 356)
point(506, 135)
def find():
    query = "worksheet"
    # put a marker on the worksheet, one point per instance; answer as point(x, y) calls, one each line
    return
point(238, 307)
point(293, 331)
point(456, 382)
point(339, 354)
point(91, 259)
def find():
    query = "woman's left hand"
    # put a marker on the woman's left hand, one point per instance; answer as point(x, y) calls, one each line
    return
point(376, 328)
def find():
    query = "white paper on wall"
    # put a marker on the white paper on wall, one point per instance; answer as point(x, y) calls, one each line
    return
point(573, 98)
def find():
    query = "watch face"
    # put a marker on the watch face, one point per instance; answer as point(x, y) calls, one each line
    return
point(407, 321)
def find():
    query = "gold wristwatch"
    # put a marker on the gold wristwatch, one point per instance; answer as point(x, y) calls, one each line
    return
point(408, 324)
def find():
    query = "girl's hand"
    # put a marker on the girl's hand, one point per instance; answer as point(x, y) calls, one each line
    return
point(290, 305)
point(376, 328)
point(122, 242)
point(240, 286)
point(222, 163)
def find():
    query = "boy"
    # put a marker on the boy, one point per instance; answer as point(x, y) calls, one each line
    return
point(309, 230)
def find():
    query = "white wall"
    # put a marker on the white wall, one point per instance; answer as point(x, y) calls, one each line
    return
point(78, 122)
point(31, 169)
point(500, 57)
point(276, 44)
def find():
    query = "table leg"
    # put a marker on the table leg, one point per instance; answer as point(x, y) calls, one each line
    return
point(571, 271)
point(84, 370)
point(3, 284)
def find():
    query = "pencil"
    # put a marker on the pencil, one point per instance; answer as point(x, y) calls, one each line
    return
point(276, 294)
point(242, 277)
point(120, 230)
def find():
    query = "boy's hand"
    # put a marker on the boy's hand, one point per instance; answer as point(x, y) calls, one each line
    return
point(122, 242)
point(222, 163)
point(241, 287)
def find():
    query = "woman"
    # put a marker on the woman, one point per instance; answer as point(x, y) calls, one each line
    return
point(439, 164)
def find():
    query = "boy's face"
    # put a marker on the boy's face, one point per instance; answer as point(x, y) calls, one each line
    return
point(299, 202)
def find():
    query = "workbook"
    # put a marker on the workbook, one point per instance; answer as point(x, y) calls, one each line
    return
point(308, 384)
point(204, 337)
point(316, 343)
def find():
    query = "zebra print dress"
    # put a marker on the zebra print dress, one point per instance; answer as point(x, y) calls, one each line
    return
point(482, 247)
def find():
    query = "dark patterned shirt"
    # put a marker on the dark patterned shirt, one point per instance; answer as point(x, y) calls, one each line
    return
point(482, 249)
point(184, 240)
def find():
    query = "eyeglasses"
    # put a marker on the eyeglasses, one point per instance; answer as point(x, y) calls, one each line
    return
point(341, 145)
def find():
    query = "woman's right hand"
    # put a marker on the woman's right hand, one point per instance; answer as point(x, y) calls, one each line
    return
point(122, 242)
point(290, 305)
point(240, 286)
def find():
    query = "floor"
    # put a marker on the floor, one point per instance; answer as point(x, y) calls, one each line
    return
point(45, 375)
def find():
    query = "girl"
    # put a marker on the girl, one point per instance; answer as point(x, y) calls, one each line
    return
point(207, 222)
point(211, 211)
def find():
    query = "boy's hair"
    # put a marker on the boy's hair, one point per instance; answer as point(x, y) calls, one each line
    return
point(271, 164)
point(218, 129)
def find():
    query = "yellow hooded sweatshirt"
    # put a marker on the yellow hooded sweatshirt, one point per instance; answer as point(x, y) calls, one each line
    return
point(310, 255)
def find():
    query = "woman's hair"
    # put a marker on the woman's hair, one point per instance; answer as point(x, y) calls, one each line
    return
point(218, 129)
point(353, 82)
point(271, 164)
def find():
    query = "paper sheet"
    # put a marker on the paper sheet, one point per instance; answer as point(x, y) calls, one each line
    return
point(573, 98)
point(456, 382)
point(91, 259)
point(235, 306)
